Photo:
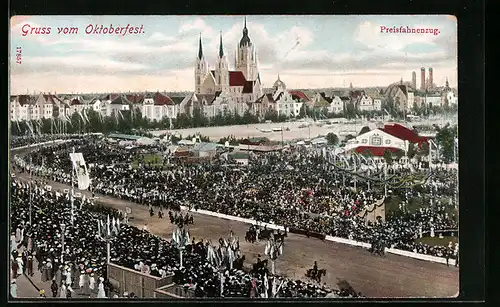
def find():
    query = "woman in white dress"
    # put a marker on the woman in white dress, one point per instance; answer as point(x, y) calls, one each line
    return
point(20, 264)
point(101, 293)
point(68, 276)
point(62, 293)
point(92, 283)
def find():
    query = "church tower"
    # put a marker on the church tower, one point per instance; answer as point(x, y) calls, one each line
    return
point(222, 70)
point(246, 60)
point(200, 70)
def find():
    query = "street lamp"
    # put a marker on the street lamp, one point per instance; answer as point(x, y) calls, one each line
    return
point(108, 234)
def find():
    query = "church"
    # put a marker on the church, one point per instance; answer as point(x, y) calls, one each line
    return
point(241, 84)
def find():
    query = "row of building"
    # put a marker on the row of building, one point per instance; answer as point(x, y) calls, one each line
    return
point(156, 106)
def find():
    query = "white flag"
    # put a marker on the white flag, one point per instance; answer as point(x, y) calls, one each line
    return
point(80, 170)
point(266, 286)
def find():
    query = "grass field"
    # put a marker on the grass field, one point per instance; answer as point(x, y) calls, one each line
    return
point(436, 241)
point(392, 204)
point(152, 159)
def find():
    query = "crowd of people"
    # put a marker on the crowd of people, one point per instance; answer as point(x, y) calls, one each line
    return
point(78, 266)
point(290, 188)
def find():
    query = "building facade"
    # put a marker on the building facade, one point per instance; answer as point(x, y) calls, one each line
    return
point(242, 85)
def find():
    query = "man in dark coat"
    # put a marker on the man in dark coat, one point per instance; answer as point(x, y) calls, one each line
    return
point(54, 288)
point(29, 265)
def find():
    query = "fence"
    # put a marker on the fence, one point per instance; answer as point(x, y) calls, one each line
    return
point(131, 281)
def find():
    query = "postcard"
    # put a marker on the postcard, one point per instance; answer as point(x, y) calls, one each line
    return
point(225, 156)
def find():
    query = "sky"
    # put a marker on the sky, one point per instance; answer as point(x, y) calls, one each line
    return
point(305, 51)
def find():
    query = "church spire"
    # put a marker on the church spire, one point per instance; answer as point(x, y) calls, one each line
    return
point(245, 40)
point(200, 50)
point(221, 48)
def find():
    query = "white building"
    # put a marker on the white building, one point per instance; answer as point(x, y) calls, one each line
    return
point(19, 107)
point(391, 137)
point(115, 104)
point(159, 106)
point(365, 103)
point(377, 104)
point(336, 106)
point(284, 102)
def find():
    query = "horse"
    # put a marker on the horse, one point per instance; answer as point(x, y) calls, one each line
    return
point(265, 234)
point(260, 267)
point(251, 236)
point(238, 263)
point(316, 276)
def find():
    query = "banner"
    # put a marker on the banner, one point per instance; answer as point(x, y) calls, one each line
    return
point(81, 171)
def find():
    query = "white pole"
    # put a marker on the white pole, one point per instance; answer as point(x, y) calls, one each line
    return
point(272, 267)
point(63, 229)
point(180, 258)
point(108, 248)
point(30, 189)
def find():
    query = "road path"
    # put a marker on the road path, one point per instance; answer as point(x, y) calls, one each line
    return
point(373, 276)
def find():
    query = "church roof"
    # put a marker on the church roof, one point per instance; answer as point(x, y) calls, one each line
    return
point(135, 98)
point(236, 78)
point(200, 50)
point(221, 48)
point(245, 40)
point(278, 83)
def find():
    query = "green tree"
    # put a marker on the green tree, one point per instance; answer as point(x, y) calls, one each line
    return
point(388, 156)
point(332, 139)
point(303, 111)
point(411, 151)
point(445, 140)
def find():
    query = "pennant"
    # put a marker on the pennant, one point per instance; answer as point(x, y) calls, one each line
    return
point(81, 171)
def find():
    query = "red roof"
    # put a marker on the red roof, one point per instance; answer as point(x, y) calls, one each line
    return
point(51, 98)
point(403, 133)
point(135, 98)
point(236, 78)
point(375, 150)
point(299, 94)
point(75, 101)
point(248, 87)
point(162, 100)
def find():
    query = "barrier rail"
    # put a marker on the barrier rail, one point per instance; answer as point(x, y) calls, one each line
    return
point(58, 141)
point(329, 238)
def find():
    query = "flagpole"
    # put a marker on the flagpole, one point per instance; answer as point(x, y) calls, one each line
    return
point(72, 188)
point(31, 192)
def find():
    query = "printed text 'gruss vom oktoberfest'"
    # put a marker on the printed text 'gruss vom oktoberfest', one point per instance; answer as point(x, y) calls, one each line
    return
point(90, 29)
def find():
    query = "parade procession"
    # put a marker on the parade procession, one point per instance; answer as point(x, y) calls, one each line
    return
point(81, 205)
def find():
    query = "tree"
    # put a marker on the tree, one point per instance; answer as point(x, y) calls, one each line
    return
point(332, 139)
point(303, 111)
point(388, 156)
point(445, 138)
point(411, 151)
point(364, 130)
point(399, 154)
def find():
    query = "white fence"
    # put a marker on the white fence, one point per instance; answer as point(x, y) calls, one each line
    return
point(329, 238)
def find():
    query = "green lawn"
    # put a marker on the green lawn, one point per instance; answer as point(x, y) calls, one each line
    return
point(393, 201)
point(436, 241)
point(152, 159)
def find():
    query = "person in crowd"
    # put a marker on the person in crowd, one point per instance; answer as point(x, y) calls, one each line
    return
point(54, 287)
point(13, 288)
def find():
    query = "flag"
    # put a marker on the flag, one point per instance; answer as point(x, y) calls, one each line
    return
point(274, 290)
point(81, 170)
point(108, 232)
point(85, 116)
point(98, 228)
point(266, 286)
